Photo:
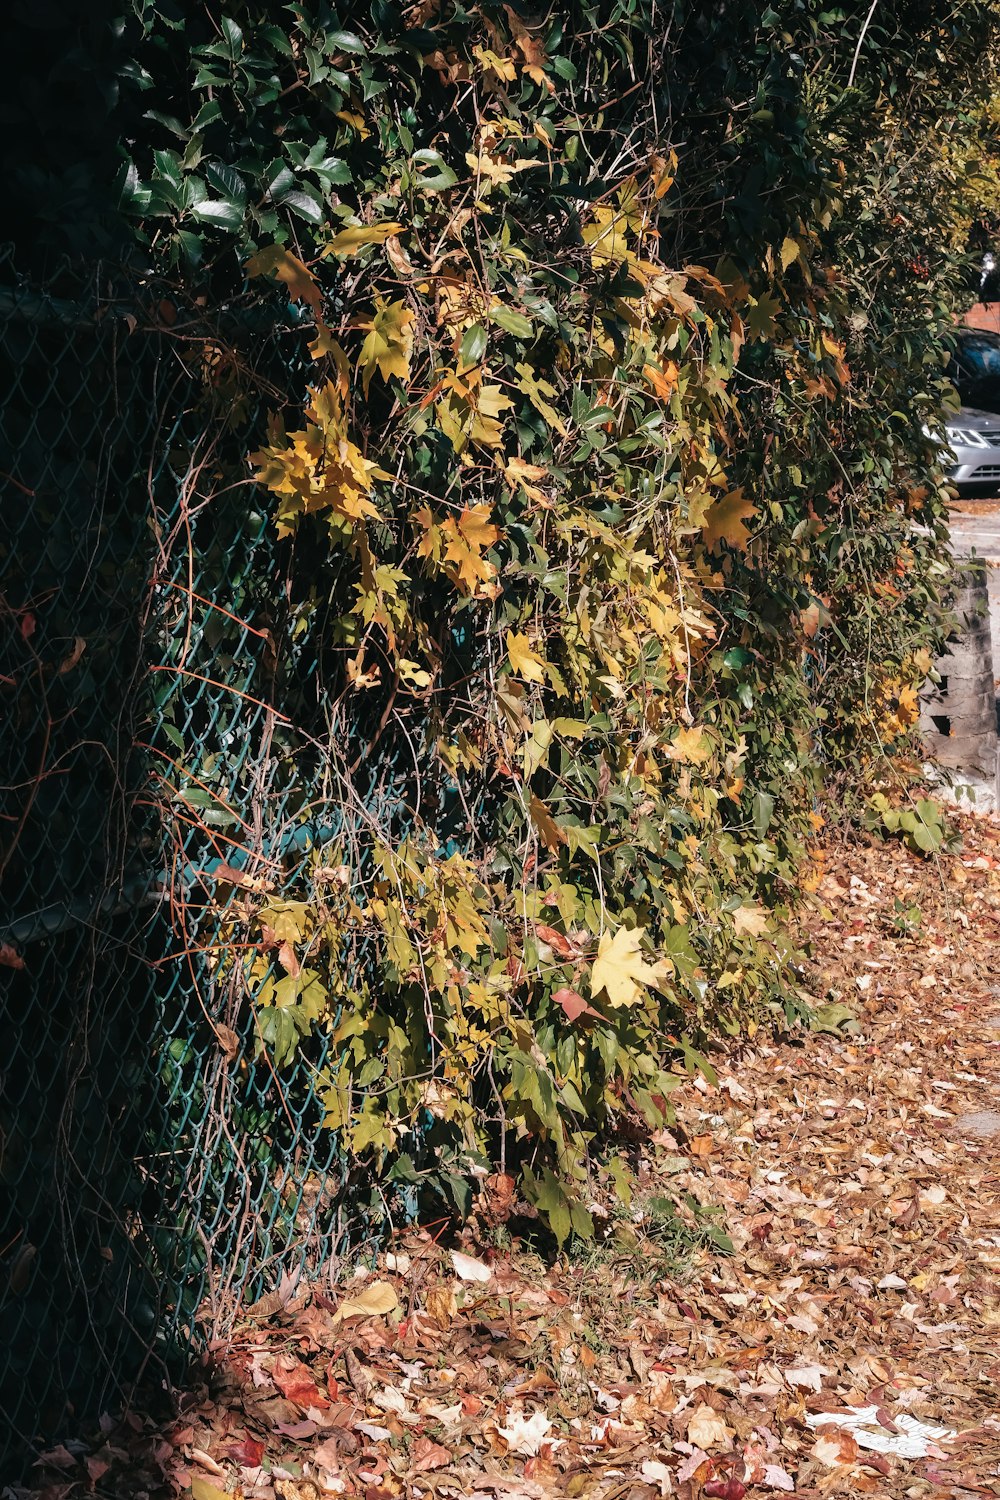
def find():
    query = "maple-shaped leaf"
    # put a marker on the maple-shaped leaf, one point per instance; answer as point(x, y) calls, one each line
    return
point(620, 969)
point(525, 662)
point(690, 746)
point(760, 319)
point(276, 260)
point(476, 527)
point(525, 475)
point(464, 540)
point(606, 236)
point(389, 342)
point(487, 421)
point(546, 826)
point(324, 346)
point(540, 393)
point(750, 920)
point(356, 236)
point(494, 170)
point(724, 521)
point(530, 48)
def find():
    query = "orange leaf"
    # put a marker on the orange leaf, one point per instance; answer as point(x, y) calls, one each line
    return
point(288, 959)
point(546, 826)
point(662, 378)
point(557, 941)
point(295, 1382)
point(427, 1455)
point(574, 1005)
point(275, 260)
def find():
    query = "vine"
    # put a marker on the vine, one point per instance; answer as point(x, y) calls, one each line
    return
point(615, 511)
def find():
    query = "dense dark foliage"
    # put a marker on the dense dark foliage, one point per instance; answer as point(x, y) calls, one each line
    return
point(614, 505)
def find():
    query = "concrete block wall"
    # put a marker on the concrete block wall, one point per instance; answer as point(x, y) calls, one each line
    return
point(958, 719)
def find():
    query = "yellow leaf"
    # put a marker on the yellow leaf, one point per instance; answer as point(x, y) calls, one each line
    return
point(410, 671)
point(489, 409)
point(789, 252)
point(750, 921)
point(476, 527)
point(724, 521)
point(690, 746)
point(493, 169)
point(318, 468)
point(389, 343)
point(356, 122)
point(539, 392)
point(356, 236)
point(358, 677)
point(492, 62)
point(275, 260)
point(464, 540)
point(202, 1490)
point(663, 170)
point(523, 660)
point(517, 472)
point(620, 969)
point(531, 49)
point(323, 345)
point(606, 236)
point(374, 1302)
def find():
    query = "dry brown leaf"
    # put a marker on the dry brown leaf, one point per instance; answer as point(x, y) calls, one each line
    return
point(375, 1301)
point(706, 1429)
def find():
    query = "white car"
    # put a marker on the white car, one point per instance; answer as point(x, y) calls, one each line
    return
point(974, 431)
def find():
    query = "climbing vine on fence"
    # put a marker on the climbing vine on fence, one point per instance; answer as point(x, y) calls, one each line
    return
point(612, 500)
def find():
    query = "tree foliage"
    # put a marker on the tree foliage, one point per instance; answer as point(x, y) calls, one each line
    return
point(613, 501)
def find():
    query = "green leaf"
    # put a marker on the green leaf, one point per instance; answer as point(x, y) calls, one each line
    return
point(133, 195)
point(762, 811)
point(168, 166)
point(834, 1017)
point(437, 181)
point(511, 322)
point(227, 215)
point(305, 206)
point(473, 345)
point(344, 41)
point(225, 180)
point(233, 36)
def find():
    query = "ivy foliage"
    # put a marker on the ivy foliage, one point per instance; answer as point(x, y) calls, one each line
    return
point(613, 500)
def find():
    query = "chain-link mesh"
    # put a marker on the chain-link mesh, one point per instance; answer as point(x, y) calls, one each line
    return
point(153, 665)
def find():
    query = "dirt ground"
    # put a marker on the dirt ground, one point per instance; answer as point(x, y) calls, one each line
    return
point(850, 1343)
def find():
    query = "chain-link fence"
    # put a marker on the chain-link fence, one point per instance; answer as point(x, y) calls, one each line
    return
point(153, 1166)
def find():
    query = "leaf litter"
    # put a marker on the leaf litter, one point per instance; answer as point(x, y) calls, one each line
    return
point(850, 1344)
